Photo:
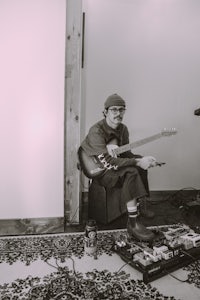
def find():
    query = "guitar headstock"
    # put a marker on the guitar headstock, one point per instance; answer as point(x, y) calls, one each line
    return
point(169, 132)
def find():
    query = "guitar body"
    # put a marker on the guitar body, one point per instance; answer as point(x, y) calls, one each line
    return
point(91, 165)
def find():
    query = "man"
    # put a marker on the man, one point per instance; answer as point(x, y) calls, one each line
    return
point(127, 170)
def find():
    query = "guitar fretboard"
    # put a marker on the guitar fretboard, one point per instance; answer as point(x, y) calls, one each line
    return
point(130, 146)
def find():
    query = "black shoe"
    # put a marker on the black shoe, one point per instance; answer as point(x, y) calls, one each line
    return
point(144, 211)
point(138, 231)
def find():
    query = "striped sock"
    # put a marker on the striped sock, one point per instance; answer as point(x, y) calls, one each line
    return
point(132, 211)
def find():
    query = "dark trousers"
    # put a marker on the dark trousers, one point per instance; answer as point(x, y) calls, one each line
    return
point(132, 179)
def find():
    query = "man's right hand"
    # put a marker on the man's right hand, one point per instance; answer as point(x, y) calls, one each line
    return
point(146, 162)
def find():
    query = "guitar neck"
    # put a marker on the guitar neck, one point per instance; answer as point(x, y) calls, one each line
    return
point(136, 144)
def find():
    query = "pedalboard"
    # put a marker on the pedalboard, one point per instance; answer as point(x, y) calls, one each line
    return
point(174, 247)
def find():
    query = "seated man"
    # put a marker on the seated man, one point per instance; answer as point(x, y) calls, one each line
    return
point(127, 170)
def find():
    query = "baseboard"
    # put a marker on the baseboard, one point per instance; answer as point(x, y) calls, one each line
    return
point(31, 226)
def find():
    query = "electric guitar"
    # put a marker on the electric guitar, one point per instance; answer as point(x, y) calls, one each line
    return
point(92, 166)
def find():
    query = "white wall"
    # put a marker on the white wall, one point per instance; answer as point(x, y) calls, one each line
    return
point(32, 55)
point(148, 52)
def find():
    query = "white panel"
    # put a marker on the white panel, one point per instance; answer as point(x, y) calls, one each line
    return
point(32, 55)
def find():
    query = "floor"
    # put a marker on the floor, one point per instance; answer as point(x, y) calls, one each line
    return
point(173, 209)
point(35, 265)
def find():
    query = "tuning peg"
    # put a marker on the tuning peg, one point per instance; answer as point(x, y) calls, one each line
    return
point(174, 130)
point(168, 132)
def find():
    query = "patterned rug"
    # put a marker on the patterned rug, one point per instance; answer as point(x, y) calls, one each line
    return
point(85, 279)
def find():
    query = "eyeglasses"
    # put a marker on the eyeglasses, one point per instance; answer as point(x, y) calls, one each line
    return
point(116, 110)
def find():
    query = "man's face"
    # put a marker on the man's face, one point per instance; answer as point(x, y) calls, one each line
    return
point(114, 115)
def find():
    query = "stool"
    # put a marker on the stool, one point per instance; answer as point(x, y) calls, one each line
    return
point(105, 204)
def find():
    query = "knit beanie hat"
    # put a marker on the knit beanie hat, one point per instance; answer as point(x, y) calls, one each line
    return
point(114, 100)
